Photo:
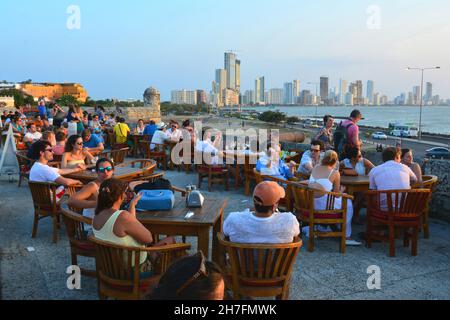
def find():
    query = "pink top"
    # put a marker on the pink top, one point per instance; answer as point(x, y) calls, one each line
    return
point(352, 131)
point(58, 150)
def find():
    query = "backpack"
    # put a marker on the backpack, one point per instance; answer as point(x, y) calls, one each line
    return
point(340, 137)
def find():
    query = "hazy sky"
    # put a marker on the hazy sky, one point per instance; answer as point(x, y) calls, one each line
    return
point(123, 47)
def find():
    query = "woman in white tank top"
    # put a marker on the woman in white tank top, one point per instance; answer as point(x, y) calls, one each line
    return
point(324, 177)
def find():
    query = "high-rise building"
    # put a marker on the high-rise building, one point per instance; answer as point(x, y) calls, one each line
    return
point(376, 99)
point(416, 95)
point(359, 93)
point(249, 96)
point(305, 98)
point(221, 84)
point(259, 90)
point(324, 89)
point(343, 89)
point(276, 96)
point(296, 91)
point(201, 97)
point(370, 91)
point(288, 93)
point(411, 99)
point(429, 93)
point(349, 98)
point(184, 97)
point(231, 97)
point(230, 66)
point(238, 76)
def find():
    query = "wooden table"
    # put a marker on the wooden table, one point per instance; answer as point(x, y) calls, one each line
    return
point(174, 223)
point(239, 160)
point(355, 184)
point(121, 173)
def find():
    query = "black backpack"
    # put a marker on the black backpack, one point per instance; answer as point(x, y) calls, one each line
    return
point(340, 137)
point(160, 184)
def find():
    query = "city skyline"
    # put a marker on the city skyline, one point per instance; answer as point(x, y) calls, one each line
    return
point(121, 49)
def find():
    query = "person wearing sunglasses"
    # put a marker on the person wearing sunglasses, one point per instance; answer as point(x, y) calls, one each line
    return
point(75, 156)
point(42, 172)
point(311, 158)
point(191, 278)
point(265, 224)
point(111, 224)
point(173, 132)
point(87, 197)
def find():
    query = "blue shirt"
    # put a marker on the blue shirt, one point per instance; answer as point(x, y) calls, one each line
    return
point(93, 142)
point(150, 129)
point(42, 111)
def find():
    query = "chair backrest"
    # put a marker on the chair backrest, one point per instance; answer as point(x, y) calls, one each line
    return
point(399, 202)
point(260, 265)
point(430, 182)
point(118, 156)
point(258, 176)
point(74, 223)
point(304, 200)
point(119, 266)
point(43, 194)
point(23, 160)
point(72, 190)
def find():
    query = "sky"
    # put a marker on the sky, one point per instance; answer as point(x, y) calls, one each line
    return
point(123, 47)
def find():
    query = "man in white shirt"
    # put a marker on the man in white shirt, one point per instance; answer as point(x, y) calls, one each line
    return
point(32, 135)
point(173, 132)
point(160, 136)
point(266, 224)
point(392, 174)
point(42, 172)
point(209, 148)
point(311, 158)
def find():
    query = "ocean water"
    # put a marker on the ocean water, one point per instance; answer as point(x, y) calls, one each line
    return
point(435, 119)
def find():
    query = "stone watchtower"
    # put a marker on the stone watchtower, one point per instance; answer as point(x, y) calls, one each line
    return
point(151, 109)
point(152, 102)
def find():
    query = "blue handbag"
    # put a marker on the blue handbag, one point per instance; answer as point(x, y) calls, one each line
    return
point(156, 200)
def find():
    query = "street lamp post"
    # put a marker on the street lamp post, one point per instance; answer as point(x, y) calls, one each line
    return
point(421, 95)
point(317, 104)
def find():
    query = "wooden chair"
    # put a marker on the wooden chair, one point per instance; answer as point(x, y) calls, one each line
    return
point(259, 270)
point(215, 173)
point(147, 165)
point(158, 154)
point(70, 191)
point(79, 243)
point(308, 214)
point(285, 204)
point(25, 165)
point(403, 211)
point(118, 268)
point(249, 174)
point(117, 156)
point(429, 182)
point(45, 205)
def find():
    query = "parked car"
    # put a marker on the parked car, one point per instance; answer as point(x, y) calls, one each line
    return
point(438, 153)
point(379, 136)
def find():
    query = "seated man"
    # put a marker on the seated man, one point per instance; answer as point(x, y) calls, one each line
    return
point(311, 158)
point(272, 165)
point(150, 129)
point(265, 224)
point(173, 132)
point(160, 136)
point(91, 142)
point(392, 174)
point(42, 172)
point(32, 135)
point(210, 146)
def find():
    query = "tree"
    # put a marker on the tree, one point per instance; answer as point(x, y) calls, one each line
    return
point(20, 98)
point(292, 120)
point(67, 100)
point(272, 116)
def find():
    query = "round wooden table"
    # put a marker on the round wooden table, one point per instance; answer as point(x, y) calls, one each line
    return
point(355, 184)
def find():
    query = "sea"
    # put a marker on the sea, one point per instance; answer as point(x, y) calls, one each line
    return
point(435, 119)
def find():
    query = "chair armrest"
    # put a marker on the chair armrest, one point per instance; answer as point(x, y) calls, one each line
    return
point(176, 189)
point(169, 247)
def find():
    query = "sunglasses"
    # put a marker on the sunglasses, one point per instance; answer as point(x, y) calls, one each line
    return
point(314, 150)
point(49, 150)
point(102, 170)
point(79, 143)
point(201, 272)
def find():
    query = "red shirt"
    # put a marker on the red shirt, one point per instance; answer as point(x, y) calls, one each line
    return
point(352, 131)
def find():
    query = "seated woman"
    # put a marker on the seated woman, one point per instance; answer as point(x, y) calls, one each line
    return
point(140, 127)
point(408, 160)
point(120, 226)
point(271, 165)
point(355, 164)
point(60, 146)
point(75, 156)
point(325, 177)
point(87, 197)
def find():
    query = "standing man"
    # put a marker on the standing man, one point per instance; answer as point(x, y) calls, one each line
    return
point(347, 134)
point(325, 134)
point(42, 109)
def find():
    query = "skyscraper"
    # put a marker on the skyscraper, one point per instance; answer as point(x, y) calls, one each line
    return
point(276, 96)
point(370, 91)
point(343, 89)
point(429, 93)
point(238, 76)
point(359, 93)
point(416, 95)
point(221, 84)
point(296, 91)
point(233, 68)
point(324, 89)
point(259, 90)
point(288, 93)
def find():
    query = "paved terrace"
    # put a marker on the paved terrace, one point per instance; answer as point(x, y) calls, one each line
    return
point(35, 268)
